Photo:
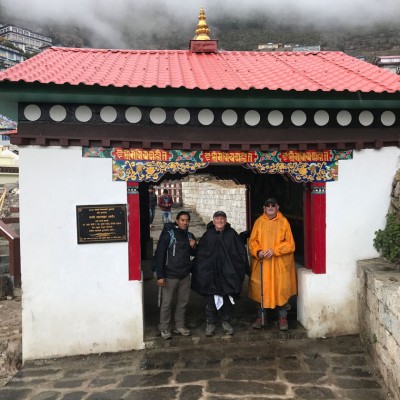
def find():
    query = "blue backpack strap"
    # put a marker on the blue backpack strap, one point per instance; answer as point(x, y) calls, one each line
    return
point(171, 237)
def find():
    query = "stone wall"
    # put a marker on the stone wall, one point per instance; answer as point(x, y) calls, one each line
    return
point(379, 317)
point(395, 195)
point(207, 195)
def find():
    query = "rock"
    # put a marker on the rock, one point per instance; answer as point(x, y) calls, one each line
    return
point(13, 356)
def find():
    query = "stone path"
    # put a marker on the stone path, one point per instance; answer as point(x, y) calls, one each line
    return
point(336, 368)
point(10, 336)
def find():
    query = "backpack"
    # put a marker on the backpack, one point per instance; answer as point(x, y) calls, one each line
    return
point(172, 240)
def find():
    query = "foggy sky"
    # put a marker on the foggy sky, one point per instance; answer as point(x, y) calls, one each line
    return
point(106, 19)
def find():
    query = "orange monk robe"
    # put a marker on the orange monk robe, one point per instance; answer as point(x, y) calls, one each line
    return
point(279, 272)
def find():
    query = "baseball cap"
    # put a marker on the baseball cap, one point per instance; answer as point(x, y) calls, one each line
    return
point(270, 200)
point(219, 214)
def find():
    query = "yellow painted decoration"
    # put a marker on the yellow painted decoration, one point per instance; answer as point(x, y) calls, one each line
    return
point(151, 171)
point(202, 31)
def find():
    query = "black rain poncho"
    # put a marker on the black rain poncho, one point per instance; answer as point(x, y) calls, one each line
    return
point(220, 264)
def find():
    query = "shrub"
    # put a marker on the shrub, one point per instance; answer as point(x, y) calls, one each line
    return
point(387, 241)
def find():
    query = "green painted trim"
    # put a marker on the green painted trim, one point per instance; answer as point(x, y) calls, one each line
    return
point(11, 92)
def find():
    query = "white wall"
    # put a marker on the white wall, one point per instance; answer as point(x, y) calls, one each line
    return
point(356, 207)
point(77, 299)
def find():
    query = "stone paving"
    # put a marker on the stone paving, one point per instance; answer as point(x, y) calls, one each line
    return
point(251, 364)
point(10, 336)
point(336, 368)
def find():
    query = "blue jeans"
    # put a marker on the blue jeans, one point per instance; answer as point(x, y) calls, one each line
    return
point(166, 216)
point(152, 213)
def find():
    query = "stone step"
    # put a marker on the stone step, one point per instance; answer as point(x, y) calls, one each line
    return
point(266, 334)
point(5, 286)
point(4, 269)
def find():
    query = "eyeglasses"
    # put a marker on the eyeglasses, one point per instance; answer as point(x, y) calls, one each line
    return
point(270, 205)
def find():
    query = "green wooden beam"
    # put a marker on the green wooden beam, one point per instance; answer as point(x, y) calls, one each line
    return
point(11, 93)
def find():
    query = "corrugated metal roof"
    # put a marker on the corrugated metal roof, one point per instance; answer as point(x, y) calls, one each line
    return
point(299, 71)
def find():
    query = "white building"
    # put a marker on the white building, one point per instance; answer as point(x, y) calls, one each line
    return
point(10, 57)
point(327, 122)
point(390, 63)
point(25, 39)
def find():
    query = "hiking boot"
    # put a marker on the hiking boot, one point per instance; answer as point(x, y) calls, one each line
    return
point(210, 330)
point(227, 327)
point(283, 324)
point(257, 323)
point(183, 331)
point(166, 334)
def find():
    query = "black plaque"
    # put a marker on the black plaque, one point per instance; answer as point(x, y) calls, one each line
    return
point(101, 223)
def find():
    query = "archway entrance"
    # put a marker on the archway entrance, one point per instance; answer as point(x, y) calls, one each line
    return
point(258, 188)
point(310, 169)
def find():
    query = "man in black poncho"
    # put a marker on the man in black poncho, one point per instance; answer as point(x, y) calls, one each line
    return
point(219, 270)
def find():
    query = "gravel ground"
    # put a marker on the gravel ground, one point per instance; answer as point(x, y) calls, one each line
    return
point(10, 336)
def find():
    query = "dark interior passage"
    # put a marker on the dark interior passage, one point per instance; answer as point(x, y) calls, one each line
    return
point(259, 187)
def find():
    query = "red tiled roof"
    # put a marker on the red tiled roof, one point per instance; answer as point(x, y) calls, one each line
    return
point(299, 71)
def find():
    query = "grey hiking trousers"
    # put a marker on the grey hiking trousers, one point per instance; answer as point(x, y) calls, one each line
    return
point(179, 289)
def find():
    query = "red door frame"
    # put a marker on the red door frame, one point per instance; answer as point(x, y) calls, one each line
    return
point(314, 209)
point(314, 203)
point(133, 231)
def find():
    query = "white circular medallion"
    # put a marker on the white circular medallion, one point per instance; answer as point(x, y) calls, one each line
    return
point(321, 117)
point(343, 118)
point(275, 118)
point(206, 117)
point(83, 113)
point(366, 118)
point(58, 113)
point(108, 114)
point(298, 117)
point(32, 112)
point(252, 118)
point(229, 117)
point(388, 118)
point(182, 116)
point(158, 115)
point(133, 115)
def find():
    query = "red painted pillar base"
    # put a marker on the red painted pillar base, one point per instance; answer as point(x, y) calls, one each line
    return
point(133, 231)
point(307, 226)
point(314, 205)
point(318, 227)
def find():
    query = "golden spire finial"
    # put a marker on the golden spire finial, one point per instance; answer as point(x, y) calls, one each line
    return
point(202, 31)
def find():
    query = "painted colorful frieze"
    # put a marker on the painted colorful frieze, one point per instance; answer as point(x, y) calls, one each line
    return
point(138, 165)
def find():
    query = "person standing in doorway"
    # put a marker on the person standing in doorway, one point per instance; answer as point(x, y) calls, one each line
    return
point(152, 205)
point(219, 270)
point(272, 248)
point(165, 202)
point(172, 265)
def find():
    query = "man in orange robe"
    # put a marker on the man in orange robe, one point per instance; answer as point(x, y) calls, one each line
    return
point(271, 242)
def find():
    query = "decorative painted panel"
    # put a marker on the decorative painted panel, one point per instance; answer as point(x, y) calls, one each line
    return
point(138, 165)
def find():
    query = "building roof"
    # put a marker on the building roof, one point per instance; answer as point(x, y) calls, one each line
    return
point(298, 71)
point(386, 60)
